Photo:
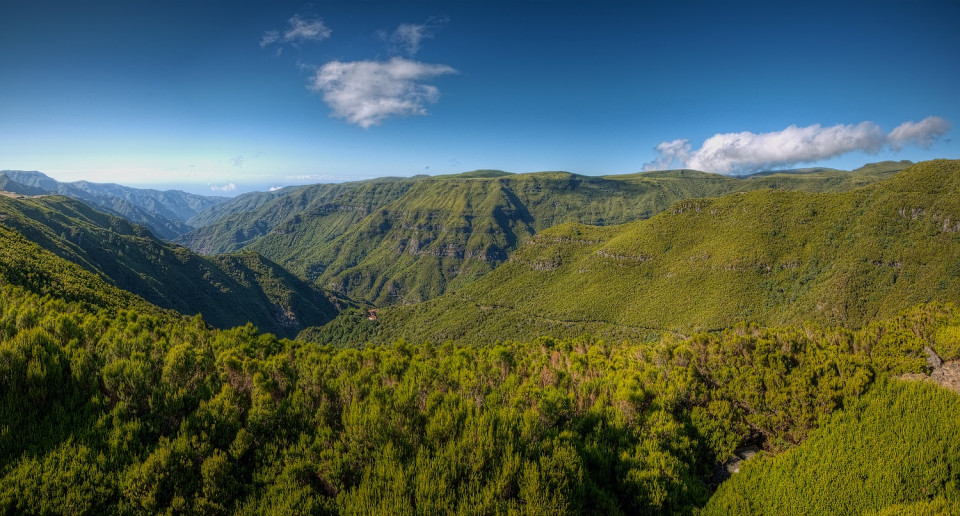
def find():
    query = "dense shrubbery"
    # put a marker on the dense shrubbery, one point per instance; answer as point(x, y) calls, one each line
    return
point(896, 449)
point(114, 411)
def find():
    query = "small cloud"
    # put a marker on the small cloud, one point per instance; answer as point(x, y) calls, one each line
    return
point(270, 37)
point(229, 187)
point(921, 134)
point(668, 153)
point(406, 38)
point(300, 29)
point(237, 161)
point(306, 29)
point(275, 188)
point(746, 152)
point(367, 92)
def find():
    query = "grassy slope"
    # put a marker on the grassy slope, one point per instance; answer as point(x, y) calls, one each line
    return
point(227, 290)
point(768, 256)
point(400, 241)
point(899, 445)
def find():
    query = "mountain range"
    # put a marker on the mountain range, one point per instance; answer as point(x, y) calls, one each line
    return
point(165, 212)
point(400, 241)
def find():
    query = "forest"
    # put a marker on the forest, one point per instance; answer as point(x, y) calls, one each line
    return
point(115, 411)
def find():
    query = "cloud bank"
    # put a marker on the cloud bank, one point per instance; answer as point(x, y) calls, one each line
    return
point(366, 92)
point(746, 152)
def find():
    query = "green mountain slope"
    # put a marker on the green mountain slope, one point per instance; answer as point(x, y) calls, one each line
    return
point(29, 266)
point(768, 256)
point(316, 213)
point(228, 290)
point(164, 212)
point(400, 241)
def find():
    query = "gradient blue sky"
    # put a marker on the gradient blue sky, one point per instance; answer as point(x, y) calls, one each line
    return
point(198, 95)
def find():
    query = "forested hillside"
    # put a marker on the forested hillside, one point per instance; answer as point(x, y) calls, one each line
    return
point(229, 290)
point(768, 256)
point(106, 411)
point(396, 241)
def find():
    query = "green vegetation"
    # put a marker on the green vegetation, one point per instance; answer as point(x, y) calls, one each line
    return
point(228, 290)
point(771, 257)
point(397, 241)
point(896, 448)
point(651, 385)
point(106, 411)
point(27, 265)
point(325, 211)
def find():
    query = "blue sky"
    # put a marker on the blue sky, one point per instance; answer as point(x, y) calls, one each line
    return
point(202, 95)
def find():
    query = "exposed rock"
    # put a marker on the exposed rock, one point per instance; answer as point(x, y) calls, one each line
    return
point(732, 466)
point(948, 376)
point(934, 362)
point(945, 374)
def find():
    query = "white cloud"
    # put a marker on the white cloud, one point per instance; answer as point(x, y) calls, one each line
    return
point(669, 153)
point(922, 133)
point(406, 38)
point(299, 29)
point(409, 36)
point(367, 92)
point(229, 187)
point(275, 188)
point(746, 152)
point(306, 29)
point(270, 37)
